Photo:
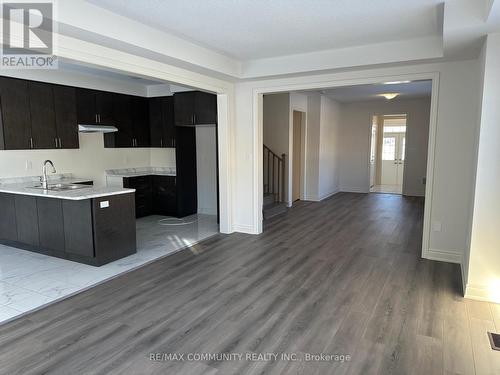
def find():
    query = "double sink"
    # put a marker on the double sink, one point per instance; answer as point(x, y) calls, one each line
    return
point(62, 187)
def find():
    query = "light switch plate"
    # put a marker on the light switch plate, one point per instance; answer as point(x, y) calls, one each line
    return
point(437, 226)
point(104, 204)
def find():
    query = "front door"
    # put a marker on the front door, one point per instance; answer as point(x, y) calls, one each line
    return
point(393, 150)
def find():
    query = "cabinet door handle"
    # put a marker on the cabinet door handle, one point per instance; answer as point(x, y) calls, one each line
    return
point(55, 140)
point(99, 116)
point(31, 142)
point(60, 142)
point(96, 118)
point(161, 142)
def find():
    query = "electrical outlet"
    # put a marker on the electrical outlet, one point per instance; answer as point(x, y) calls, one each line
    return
point(437, 226)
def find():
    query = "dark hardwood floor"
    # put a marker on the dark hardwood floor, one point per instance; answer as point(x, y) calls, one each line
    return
point(343, 276)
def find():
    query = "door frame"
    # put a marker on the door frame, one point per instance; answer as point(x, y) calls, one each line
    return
point(303, 150)
point(107, 58)
point(257, 107)
point(380, 136)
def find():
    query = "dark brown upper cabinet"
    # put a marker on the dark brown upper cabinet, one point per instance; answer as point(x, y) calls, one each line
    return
point(121, 118)
point(161, 119)
point(15, 120)
point(53, 116)
point(94, 107)
point(66, 120)
point(140, 119)
point(37, 115)
point(43, 116)
point(130, 116)
point(105, 107)
point(193, 108)
point(86, 106)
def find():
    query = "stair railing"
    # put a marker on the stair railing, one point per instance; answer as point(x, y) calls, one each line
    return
point(274, 174)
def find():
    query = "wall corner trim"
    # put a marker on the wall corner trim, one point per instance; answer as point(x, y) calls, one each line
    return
point(449, 256)
point(245, 228)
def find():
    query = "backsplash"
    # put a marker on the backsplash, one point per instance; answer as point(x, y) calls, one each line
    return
point(25, 179)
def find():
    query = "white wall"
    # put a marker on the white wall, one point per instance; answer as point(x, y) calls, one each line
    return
point(89, 161)
point(454, 162)
point(355, 144)
point(206, 166)
point(329, 142)
point(483, 279)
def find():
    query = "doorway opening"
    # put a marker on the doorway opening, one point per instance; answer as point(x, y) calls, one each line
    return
point(387, 154)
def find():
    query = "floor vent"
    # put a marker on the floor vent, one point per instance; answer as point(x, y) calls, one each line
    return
point(494, 340)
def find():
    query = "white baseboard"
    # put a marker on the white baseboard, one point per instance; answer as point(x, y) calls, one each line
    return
point(244, 228)
point(414, 193)
point(328, 195)
point(347, 189)
point(479, 293)
point(445, 256)
point(207, 211)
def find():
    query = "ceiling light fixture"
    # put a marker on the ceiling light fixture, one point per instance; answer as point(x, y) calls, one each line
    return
point(395, 82)
point(390, 95)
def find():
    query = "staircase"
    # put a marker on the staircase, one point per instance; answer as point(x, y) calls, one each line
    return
point(274, 186)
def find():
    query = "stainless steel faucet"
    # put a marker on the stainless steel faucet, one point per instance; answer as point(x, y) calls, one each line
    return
point(43, 179)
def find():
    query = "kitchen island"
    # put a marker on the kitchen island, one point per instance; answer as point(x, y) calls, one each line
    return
point(72, 220)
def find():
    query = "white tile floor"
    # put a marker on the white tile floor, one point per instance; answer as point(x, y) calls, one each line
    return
point(389, 189)
point(29, 280)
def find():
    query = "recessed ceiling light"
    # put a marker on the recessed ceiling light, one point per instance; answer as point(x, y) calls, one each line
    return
point(389, 95)
point(395, 82)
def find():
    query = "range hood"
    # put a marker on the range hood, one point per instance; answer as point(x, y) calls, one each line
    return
point(83, 128)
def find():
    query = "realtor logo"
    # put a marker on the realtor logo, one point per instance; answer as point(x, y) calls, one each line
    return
point(28, 38)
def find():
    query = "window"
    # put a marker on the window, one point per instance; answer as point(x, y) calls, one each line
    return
point(389, 148)
point(394, 129)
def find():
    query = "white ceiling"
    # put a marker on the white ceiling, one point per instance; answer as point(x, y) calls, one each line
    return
point(360, 93)
point(253, 29)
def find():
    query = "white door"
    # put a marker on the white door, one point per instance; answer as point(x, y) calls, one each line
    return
point(401, 157)
point(393, 146)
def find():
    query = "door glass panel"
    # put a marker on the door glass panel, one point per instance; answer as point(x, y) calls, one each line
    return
point(373, 145)
point(403, 147)
point(389, 148)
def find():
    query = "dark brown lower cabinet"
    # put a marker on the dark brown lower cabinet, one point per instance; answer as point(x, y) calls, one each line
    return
point(51, 223)
point(91, 231)
point(143, 194)
point(78, 229)
point(164, 195)
point(114, 227)
point(154, 195)
point(27, 220)
point(8, 225)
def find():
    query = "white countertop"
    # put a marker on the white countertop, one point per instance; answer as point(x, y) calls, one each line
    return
point(139, 174)
point(144, 171)
point(88, 192)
